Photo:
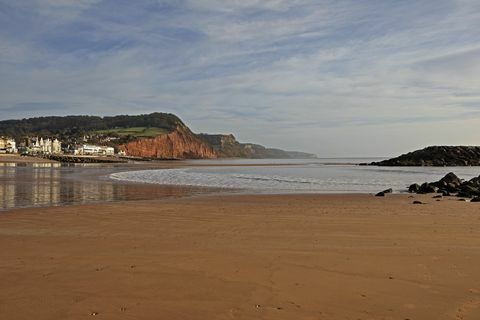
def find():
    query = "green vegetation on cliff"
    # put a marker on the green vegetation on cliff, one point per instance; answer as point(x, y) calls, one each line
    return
point(137, 132)
point(80, 125)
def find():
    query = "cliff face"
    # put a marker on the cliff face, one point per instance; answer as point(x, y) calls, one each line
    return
point(178, 144)
point(227, 146)
point(439, 156)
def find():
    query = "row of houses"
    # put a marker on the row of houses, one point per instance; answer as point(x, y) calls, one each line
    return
point(47, 146)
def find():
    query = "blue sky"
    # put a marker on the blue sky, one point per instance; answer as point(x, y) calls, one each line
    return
point(336, 78)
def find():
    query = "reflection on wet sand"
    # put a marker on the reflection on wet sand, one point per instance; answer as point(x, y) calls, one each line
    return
point(51, 184)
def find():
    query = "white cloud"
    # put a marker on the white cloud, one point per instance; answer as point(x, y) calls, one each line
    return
point(274, 72)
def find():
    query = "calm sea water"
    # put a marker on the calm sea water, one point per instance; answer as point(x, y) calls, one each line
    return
point(319, 175)
point(54, 184)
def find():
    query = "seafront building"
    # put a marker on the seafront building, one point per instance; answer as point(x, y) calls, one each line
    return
point(93, 150)
point(8, 145)
point(45, 146)
point(48, 146)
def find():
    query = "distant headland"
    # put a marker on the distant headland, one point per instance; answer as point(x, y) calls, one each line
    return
point(149, 136)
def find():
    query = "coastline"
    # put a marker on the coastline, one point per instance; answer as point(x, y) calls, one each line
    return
point(243, 257)
point(31, 183)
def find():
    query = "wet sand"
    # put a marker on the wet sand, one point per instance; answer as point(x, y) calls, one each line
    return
point(14, 158)
point(243, 257)
point(47, 184)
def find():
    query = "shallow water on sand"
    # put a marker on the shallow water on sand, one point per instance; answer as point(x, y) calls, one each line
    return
point(47, 184)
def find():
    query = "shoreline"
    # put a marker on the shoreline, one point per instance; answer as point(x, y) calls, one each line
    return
point(110, 190)
point(243, 257)
point(66, 184)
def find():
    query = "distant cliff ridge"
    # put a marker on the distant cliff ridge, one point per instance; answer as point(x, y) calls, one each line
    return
point(227, 146)
point(438, 156)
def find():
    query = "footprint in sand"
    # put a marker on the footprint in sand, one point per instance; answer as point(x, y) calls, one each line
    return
point(469, 310)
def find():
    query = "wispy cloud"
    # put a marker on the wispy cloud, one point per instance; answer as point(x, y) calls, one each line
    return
point(289, 74)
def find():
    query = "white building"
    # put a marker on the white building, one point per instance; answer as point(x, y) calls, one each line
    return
point(92, 150)
point(8, 145)
point(11, 146)
point(108, 151)
point(56, 146)
point(46, 146)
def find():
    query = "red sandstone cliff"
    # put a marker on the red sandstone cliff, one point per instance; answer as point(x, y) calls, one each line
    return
point(178, 144)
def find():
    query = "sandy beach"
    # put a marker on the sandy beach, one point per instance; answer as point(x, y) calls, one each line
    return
point(243, 257)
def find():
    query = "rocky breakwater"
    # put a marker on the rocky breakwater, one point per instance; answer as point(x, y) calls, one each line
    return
point(439, 156)
point(180, 143)
point(450, 185)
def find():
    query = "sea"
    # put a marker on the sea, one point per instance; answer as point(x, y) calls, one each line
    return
point(332, 175)
point(36, 185)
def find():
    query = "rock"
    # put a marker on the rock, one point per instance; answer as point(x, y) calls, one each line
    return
point(437, 156)
point(414, 188)
point(452, 187)
point(446, 193)
point(475, 182)
point(462, 194)
point(476, 199)
point(417, 202)
point(427, 188)
point(437, 197)
point(468, 191)
point(384, 192)
point(451, 178)
point(462, 199)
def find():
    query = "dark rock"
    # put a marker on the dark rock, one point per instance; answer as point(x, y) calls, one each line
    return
point(417, 202)
point(452, 187)
point(384, 192)
point(462, 199)
point(475, 182)
point(446, 193)
point(427, 188)
point(476, 199)
point(414, 188)
point(437, 197)
point(441, 156)
point(468, 191)
point(450, 178)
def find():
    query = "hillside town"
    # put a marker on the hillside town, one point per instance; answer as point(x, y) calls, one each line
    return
point(45, 146)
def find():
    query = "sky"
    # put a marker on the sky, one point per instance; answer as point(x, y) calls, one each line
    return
point(337, 78)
